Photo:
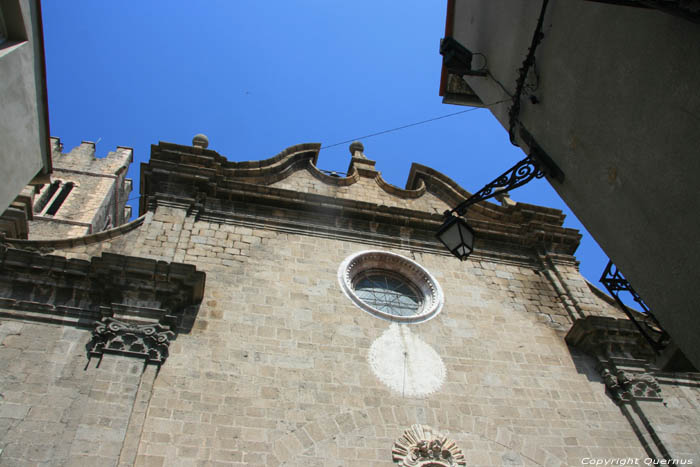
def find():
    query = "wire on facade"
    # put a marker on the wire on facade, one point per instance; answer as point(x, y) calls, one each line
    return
point(514, 110)
point(471, 109)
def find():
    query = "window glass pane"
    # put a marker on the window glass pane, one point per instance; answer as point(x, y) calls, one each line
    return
point(388, 294)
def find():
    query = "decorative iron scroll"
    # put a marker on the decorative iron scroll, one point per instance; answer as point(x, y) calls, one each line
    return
point(420, 446)
point(149, 341)
point(629, 386)
point(516, 176)
point(615, 282)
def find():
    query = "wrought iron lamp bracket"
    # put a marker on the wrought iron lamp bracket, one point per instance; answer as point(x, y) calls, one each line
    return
point(456, 234)
point(615, 282)
point(516, 176)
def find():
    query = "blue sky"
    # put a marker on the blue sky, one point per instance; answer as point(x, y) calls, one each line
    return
point(257, 77)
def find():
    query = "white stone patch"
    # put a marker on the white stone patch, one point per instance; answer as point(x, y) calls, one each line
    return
point(402, 361)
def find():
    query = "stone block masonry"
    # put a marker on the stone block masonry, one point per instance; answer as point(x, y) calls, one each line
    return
point(269, 363)
point(275, 371)
point(96, 199)
point(53, 409)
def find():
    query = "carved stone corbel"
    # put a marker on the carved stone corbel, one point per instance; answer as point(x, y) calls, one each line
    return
point(626, 386)
point(149, 341)
point(420, 446)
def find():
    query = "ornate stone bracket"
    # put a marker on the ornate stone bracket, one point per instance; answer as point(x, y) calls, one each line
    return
point(617, 344)
point(149, 341)
point(420, 446)
point(135, 306)
point(625, 387)
point(626, 363)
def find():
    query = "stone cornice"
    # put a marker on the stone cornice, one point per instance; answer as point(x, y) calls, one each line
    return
point(56, 170)
point(77, 292)
point(202, 179)
point(609, 338)
point(49, 245)
point(401, 193)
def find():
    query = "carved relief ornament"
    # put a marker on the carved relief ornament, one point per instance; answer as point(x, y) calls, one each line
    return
point(420, 446)
point(626, 386)
point(149, 341)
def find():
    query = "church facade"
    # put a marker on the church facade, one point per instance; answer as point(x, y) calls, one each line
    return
point(267, 313)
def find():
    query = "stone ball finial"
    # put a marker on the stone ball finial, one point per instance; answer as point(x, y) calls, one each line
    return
point(356, 146)
point(200, 140)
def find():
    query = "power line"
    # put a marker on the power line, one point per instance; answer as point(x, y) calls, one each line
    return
point(471, 109)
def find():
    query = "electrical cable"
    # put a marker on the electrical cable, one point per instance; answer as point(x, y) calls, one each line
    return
point(471, 109)
point(514, 110)
point(505, 90)
point(485, 69)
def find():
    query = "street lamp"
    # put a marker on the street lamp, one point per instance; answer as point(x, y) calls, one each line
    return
point(457, 235)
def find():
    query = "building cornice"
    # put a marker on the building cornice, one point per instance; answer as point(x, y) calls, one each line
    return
point(113, 295)
point(202, 180)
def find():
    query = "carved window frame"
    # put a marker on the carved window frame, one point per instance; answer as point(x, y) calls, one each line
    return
point(376, 261)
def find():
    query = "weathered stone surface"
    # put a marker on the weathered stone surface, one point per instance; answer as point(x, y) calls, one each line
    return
point(275, 368)
point(96, 200)
point(54, 410)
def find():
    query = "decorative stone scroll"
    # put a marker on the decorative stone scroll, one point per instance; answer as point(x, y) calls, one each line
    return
point(149, 341)
point(626, 387)
point(420, 446)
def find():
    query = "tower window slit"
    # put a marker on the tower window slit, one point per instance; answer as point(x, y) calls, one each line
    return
point(46, 196)
point(65, 190)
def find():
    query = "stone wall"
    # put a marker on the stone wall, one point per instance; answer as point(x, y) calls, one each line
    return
point(276, 369)
point(57, 408)
point(676, 419)
point(277, 366)
point(365, 189)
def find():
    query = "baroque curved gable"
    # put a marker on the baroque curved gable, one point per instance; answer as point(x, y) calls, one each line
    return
point(295, 168)
point(362, 200)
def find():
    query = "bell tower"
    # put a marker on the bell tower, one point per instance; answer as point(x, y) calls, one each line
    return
point(85, 195)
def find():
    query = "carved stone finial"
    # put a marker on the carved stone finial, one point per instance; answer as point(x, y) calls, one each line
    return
point(420, 446)
point(503, 197)
point(356, 147)
point(200, 141)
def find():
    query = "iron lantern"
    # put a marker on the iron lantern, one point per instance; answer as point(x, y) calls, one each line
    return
point(457, 236)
